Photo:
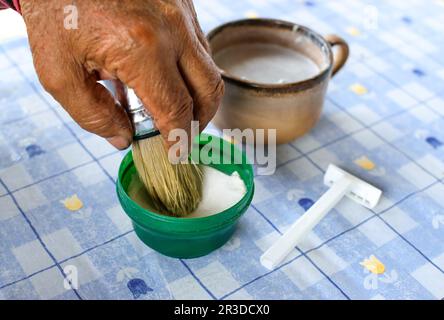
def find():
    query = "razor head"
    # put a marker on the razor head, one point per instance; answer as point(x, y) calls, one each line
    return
point(359, 191)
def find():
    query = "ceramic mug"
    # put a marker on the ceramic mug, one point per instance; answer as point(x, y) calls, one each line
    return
point(291, 108)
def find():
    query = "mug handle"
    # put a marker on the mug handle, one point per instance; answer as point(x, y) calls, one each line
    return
point(341, 56)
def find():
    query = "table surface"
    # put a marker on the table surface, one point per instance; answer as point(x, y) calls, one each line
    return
point(383, 121)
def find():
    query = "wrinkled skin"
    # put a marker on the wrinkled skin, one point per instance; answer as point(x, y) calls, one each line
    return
point(155, 47)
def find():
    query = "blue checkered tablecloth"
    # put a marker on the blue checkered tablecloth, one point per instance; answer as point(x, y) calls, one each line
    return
point(383, 121)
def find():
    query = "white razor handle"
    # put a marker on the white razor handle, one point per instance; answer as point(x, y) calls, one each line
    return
point(343, 184)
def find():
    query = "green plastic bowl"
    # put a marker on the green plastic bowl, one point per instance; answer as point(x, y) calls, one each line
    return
point(190, 237)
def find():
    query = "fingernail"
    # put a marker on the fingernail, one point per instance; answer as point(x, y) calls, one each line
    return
point(119, 142)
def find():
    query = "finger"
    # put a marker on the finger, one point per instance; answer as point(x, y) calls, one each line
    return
point(105, 75)
point(199, 33)
point(93, 67)
point(89, 103)
point(158, 83)
point(203, 80)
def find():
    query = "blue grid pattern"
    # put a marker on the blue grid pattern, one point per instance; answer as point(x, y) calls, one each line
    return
point(397, 125)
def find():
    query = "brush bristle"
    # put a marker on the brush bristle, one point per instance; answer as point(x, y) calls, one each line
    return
point(175, 189)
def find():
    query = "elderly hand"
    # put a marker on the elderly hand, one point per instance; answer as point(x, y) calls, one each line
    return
point(155, 47)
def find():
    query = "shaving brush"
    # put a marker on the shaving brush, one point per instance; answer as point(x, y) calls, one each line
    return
point(175, 189)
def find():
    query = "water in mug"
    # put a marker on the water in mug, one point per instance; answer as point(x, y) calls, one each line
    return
point(266, 63)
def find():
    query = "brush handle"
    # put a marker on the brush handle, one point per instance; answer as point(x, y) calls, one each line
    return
point(141, 119)
point(281, 248)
